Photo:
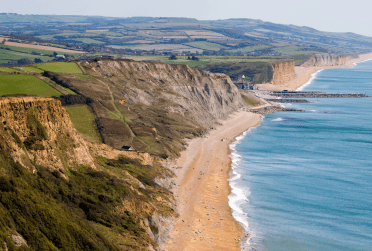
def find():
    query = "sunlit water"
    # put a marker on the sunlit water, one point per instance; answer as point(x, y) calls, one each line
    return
point(303, 180)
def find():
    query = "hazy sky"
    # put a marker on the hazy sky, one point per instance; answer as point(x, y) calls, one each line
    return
point(325, 15)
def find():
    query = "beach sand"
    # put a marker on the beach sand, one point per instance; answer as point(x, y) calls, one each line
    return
point(205, 221)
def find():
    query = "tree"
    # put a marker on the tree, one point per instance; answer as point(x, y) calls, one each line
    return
point(195, 58)
point(55, 54)
point(24, 61)
point(38, 60)
point(173, 57)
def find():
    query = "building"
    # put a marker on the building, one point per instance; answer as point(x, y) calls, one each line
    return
point(244, 86)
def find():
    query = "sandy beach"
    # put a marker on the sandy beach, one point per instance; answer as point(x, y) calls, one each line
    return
point(205, 221)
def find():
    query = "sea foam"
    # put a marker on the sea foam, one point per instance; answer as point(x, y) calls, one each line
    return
point(239, 195)
point(313, 76)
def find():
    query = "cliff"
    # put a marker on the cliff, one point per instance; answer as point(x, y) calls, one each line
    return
point(59, 192)
point(320, 60)
point(152, 106)
point(282, 71)
point(38, 131)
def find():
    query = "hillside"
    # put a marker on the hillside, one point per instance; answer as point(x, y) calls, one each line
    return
point(130, 36)
point(152, 107)
point(59, 192)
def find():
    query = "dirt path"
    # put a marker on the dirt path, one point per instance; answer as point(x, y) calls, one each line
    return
point(205, 221)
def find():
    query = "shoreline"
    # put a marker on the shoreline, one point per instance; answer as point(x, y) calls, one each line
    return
point(207, 222)
point(206, 219)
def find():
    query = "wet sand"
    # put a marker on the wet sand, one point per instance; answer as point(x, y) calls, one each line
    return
point(206, 221)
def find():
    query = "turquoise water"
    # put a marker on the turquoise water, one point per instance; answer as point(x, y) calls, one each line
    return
point(303, 180)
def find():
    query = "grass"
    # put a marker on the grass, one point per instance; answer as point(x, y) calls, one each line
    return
point(84, 121)
point(88, 41)
point(27, 69)
point(295, 50)
point(204, 60)
point(7, 69)
point(30, 50)
point(60, 67)
point(13, 55)
point(25, 84)
point(252, 48)
point(250, 101)
point(207, 45)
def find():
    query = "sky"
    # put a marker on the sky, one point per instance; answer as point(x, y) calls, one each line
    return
point(325, 15)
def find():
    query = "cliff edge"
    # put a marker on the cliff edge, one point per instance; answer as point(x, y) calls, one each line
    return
point(321, 60)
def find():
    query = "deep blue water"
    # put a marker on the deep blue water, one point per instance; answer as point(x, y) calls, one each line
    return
point(307, 176)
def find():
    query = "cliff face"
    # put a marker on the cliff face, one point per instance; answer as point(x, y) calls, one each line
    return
point(283, 71)
point(153, 106)
point(319, 60)
point(38, 131)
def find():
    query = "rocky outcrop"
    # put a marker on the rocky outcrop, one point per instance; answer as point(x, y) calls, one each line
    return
point(320, 60)
point(38, 131)
point(283, 71)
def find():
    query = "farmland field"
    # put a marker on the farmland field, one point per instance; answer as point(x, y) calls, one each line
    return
point(207, 45)
point(252, 48)
point(293, 50)
point(84, 122)
point(161, 47)
point(203, 60)
point(41, 47)
point(88, 40)
point(30, 50)
point(13, 55)
point(25, 84)
point(60, 67)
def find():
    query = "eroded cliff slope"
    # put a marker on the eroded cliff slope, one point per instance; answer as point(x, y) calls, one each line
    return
point(152, 106)
point(38, 131)
point(319, 60)
point(283, 71)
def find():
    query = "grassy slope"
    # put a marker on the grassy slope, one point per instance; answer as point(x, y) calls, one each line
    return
point(84, 122)
point(53, 213)
point(60, 67)
point(25, 84)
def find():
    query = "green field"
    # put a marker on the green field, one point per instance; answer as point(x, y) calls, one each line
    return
point(204, 60)
point(84, 122)
point(59, 67)
point(88, 40)
point(13, 55)
point(30, 50)
point(252, 48)
point(25, 84)
point(27, 69)
point(296, 50)
point(7, 69)
point(207, 45)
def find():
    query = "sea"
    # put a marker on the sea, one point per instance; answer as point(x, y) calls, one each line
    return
point(302, 181)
